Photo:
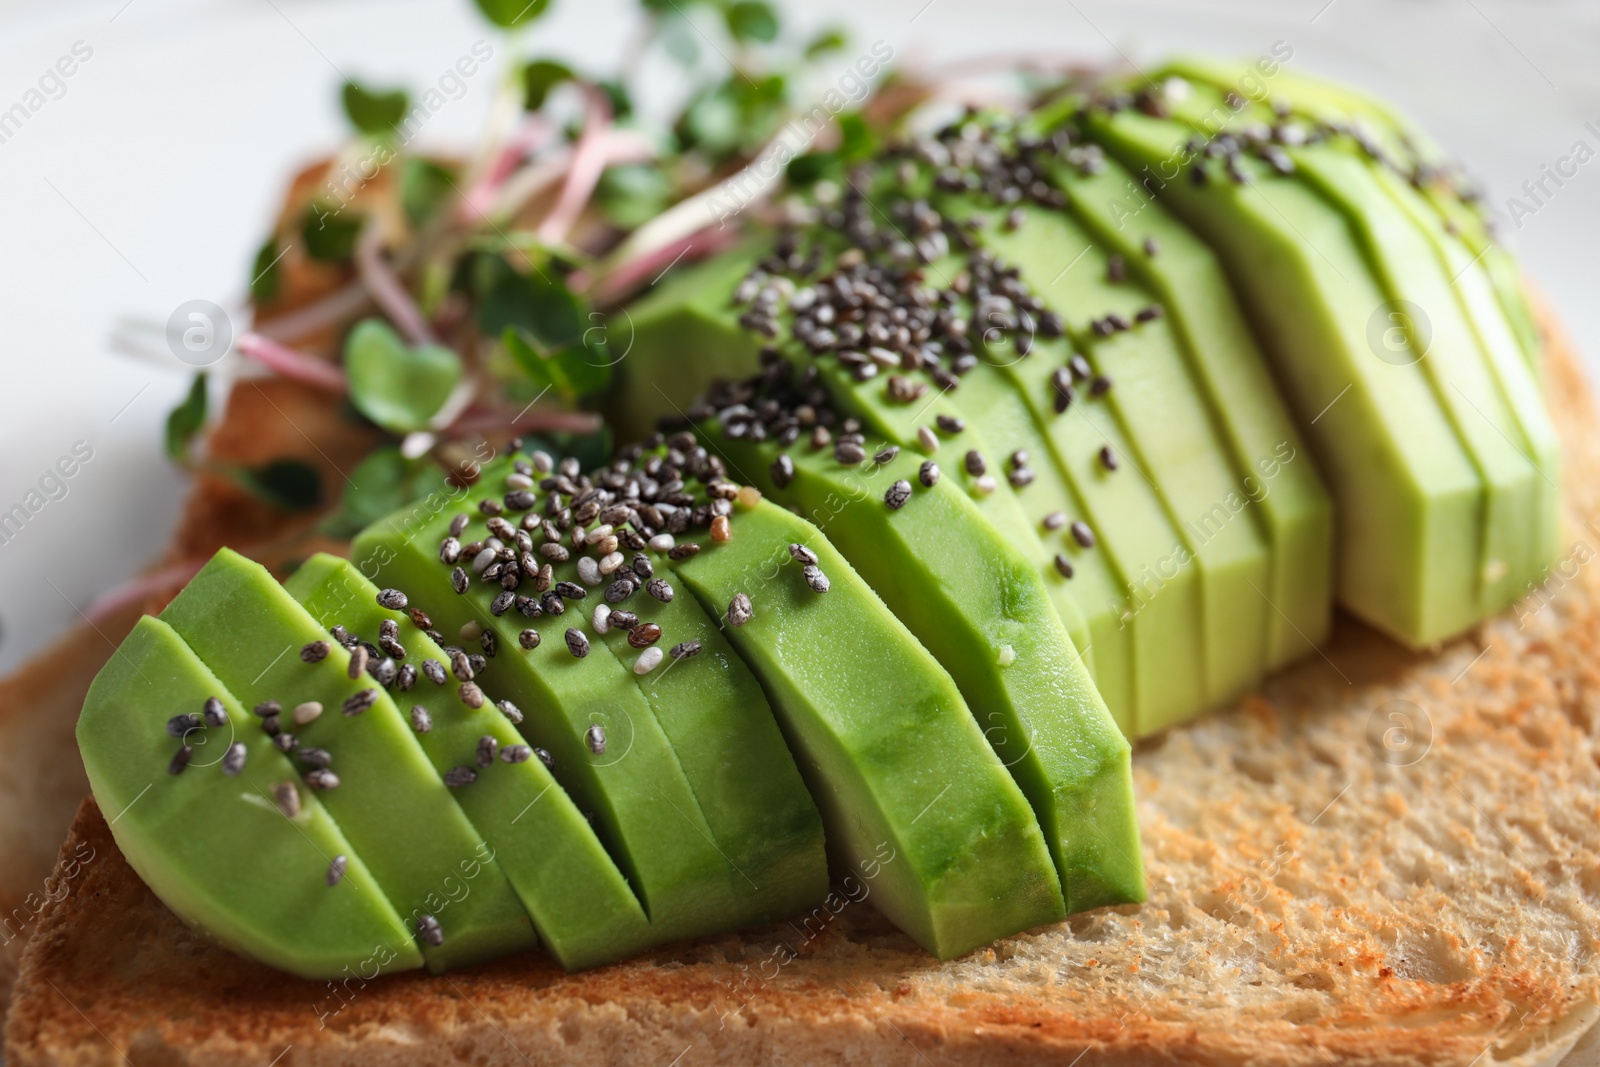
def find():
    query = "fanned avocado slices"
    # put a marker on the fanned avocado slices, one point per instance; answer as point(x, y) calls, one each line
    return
point(916, 803)
point(1467, 477)
point(581, 905)
point(218, 835)
point(359, 752)
point(610, 749)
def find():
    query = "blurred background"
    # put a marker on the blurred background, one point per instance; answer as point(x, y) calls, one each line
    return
point(147, 177)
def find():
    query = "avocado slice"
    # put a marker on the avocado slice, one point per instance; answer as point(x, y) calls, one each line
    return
point(979, 607)
point(216, 848)
point(427, 857)
point(1171, 440)
point(634, 787)
point(1406, 490)
point(580, 903)
point(1439, 337)
point(915, 801)
point(1281, 484)
point(713, 710)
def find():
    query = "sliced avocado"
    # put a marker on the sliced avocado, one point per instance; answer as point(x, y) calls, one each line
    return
point(713, 711)
point(214, 847)
point(427, 857)
point(1408, 498)
point(580, 903)
point(914, 799)
point(1281, 482)
point(634, 786)
point(1171, 439)
point(979, 607)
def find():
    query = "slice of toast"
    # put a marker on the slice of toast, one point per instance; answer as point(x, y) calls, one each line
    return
point(1383, 857)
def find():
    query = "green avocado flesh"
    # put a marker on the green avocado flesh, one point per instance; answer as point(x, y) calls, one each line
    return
point(713, 710)
point(580, 904)
point(1280, 484)
point(915, 801)
point(214, 847)
point(637, 788)
point(979, 607)
point(1408, 497)
point(426, 856)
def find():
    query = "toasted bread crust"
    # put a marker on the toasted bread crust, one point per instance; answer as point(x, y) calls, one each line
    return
point(1326, 881)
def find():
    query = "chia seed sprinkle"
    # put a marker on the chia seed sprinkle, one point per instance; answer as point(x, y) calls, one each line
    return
point(358, 663)
point(849, 453)
point(392, 599)
point(516, 754)
point(459, 580)
point(458, 524)
point(985, 484)
point(421, 721)
point(685, 649)
point(545, 758)
point(460, 666)
point(802, 555)
point(928, 473)
point(740, 610)
point(459, 776)
point(659, 588)
point(512, 713)
point(488, 749)
point(286, 742)
point(975, 463)
point(359, 702)
point(213, 713)
point(950, 424)
point(433, 670)
point(307, 713)
point(471, 695)
point(886, 455)
point(577, 643)
point(644, 635)
point(897, 495)
point(721, 531)
point(595, 737)
point(1151, 246)
point(1149, 313)
point(601, 619)
point(233, 759)
point(927, 439)
point(320, 778)
point(648, 660)
point(180, 759)
point(1108, 457)
point(287, 797)
point(271, 725)
point(1064, 565)
point(1082, 534)
point(315, 652)
point(1021, 477)
point(1100, 386)
point(528, 639)
point(181, 725)
point(267, 708)
point(683, 552)
point(319, 758)
point(1055, 520)
point(623, 620)
point(815, 578)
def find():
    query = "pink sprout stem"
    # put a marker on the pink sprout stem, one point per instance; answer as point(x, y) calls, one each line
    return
point(588, 163)
point(137, 589)
point(296, 366)
point(529, 136)
point(387, 289)
point(627, 276)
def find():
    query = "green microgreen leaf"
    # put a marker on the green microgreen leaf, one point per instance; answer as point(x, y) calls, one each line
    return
point(825, 43)
point(509, 14)
point(330, 232)
point(382, 483)
point(751, 20)
point(632, 194)
point(573, 372)
point(287, 484)
point(538, 303)
point(373, 111)
point(539, 77)
point(266, 276)
point(185, 420)
point(397, 386)
point(424, 186)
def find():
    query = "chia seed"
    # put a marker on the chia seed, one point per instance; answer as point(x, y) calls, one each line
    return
point(897, 495)
point(287, 797)
point(644, 635)
point(319, 758)
point(321, 779)
point(459, 776)
point(359, 702)
point(815, 578)
point(1108, 457)
point(802, 555)
point(392, 599)
point(1082, 534)
point(595, 737)
point(740, 610)
point(683, 552)
point(577, 644)
point(528, 639)
point(1055, 520)
point(336, 869)
point(950, 424)
point(928, 473)
point(358, 663)
point(180, 759)
point(516, 754)
point(181, 725)
point(685, 649)
point(434, 671)
point(1064, 565)
point(233, 759)
point(488, 749)
point(660, 589)
point(975, 463)
point(887, 455)
point(459, 580)
point(471, 695)
point(648, 660)
point(421, 721)
point(512, 713)
point(315, 652)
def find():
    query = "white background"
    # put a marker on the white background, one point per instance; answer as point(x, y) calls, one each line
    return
point(151, 181)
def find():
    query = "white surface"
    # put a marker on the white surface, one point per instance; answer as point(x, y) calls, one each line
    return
point(149, 182)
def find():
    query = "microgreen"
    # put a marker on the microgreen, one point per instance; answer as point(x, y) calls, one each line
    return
point(397, 386)
point(424, 186)
point(266, 272)
point(539, 77)
point(185, 420)
point(382, 483)
point(509, 14)
point(373, 111)
point(330, 232)
point(286, 484)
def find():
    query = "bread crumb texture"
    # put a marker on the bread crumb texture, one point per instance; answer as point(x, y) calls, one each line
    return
point(1383, 858)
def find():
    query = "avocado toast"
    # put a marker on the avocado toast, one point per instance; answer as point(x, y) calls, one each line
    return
point(1025, 881)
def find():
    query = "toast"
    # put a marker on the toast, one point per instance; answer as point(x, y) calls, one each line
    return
point(1383, 857)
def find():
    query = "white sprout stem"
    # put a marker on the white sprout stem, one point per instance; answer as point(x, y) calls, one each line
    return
point(625, 277)
point(621, 146)
point(588, 163)
point(481, 199)
point(331, 311)
point(291, 364)
point(387, 289)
